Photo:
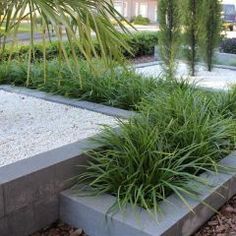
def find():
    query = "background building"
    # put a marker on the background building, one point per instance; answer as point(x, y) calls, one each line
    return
point(131, 8)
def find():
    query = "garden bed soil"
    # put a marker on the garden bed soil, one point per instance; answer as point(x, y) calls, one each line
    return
point(59, 229)
point(223, 223)
point(30, 126)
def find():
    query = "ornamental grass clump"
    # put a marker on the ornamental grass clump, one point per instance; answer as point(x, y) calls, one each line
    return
point(178, 134)
point(118, 87)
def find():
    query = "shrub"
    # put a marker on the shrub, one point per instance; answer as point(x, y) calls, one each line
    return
point(228, 46)
point(140, 20)
point(118, 87)
point(142, 43)
point(177, 135)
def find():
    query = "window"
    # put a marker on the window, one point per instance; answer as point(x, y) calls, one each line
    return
point(156, 14)
point(121, 7)
point(136, 9)
point(118, 7)
point(143, 9)
point(125, 8)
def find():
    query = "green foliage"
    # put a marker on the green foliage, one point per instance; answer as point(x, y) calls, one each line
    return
point(211, 26)
point(178, 134)
point(140, 20)
point(140, 43)
point(228, 46)
point(169, 35)
point(116, 87)
point(191, 12)
point(77, 18)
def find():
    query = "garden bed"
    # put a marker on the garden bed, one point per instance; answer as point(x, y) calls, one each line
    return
point(31, 126)
point(174, 217)
point(30, 187)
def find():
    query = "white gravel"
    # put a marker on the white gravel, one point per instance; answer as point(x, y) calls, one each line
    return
point(217, 79)
point(29, 126)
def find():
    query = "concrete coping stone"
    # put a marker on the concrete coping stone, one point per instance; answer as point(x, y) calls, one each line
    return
point(175, 218)
point(43, 160)
point(100, 108)
point(142, 65)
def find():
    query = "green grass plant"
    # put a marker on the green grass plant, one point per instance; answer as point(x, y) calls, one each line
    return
point(120, 87)
point(179, 133)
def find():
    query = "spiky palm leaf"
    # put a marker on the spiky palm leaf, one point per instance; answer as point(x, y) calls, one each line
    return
point(80, 20)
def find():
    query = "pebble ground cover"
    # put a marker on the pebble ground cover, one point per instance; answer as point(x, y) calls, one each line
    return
point(30, 126)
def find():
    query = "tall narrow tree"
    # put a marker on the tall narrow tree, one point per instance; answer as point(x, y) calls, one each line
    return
point(211, 27)
point(169, 37)
point(190, 12)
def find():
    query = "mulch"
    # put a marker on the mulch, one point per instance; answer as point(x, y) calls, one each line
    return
point(59, 229)
point(223, 223)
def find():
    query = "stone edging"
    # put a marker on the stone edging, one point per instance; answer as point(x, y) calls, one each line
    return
point(142, 65)
point(175, 218)
point(106, 110)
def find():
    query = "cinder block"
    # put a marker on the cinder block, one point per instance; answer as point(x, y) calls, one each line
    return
point(65, 172)
point(19, 193)
point(23, 191)
point(21, 222)
point(2, 211)
point(46, 212)
point(4, 230)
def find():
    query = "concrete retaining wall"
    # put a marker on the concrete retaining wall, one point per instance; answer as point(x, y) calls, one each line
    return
point(225, 58)
point(29, 189)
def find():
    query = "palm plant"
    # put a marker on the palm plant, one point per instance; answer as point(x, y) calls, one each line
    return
point(77, 21)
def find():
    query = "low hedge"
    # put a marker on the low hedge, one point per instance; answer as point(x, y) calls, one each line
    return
point(140, 20)
point(228, 46)
point(142, 43)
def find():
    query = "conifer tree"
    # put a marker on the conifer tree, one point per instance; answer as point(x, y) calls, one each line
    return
point(169, 37)
point(190, 17)
point(210, 27)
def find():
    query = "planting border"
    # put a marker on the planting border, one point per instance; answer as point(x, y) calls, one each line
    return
point(220, 56)
point(142, 65)
point(100, 108)
point(174, 218)
point(30, 188)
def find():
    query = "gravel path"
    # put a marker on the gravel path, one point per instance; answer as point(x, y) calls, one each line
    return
point(217, 79)
point(29, 126)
